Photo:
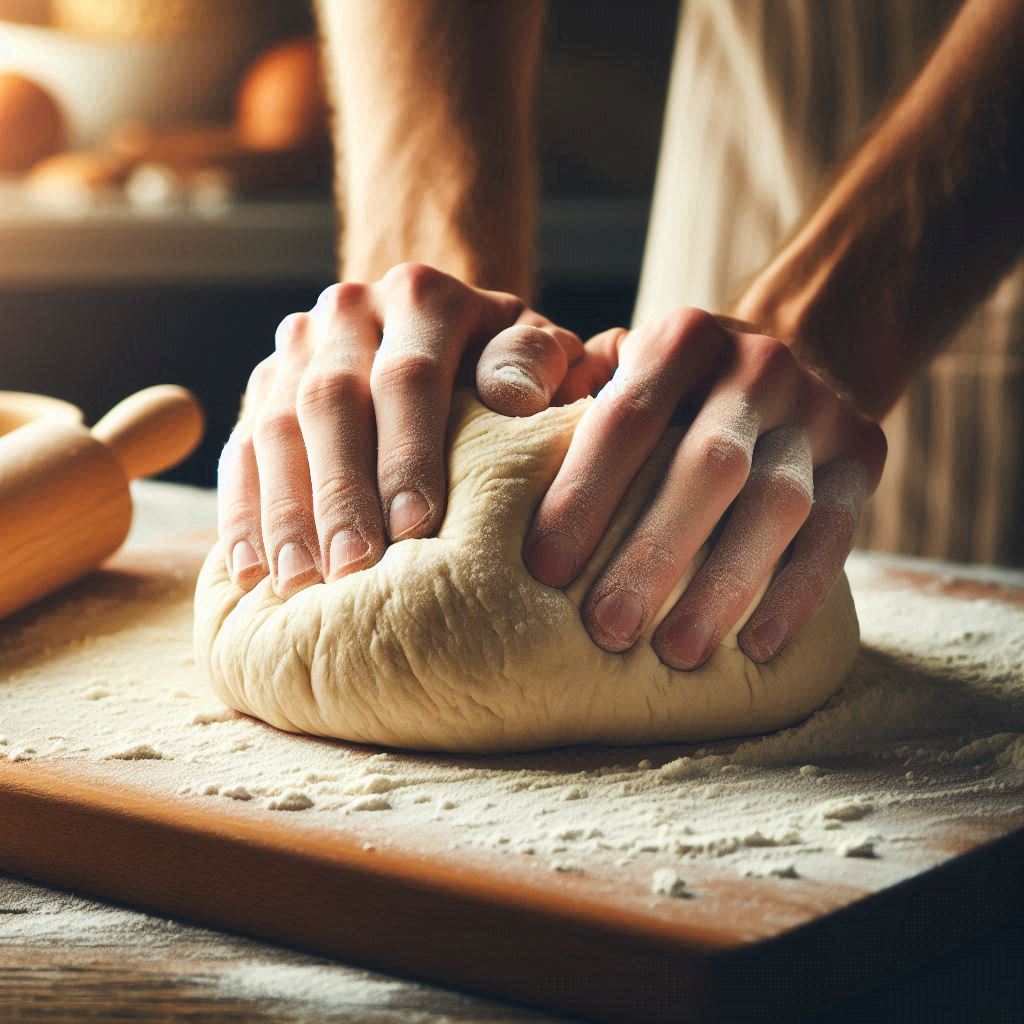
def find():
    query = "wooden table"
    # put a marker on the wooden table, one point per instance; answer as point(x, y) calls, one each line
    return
point(82, 960)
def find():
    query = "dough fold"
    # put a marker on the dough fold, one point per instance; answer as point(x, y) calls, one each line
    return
point(448, 643)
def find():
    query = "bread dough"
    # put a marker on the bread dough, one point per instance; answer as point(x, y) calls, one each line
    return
point(449, 644)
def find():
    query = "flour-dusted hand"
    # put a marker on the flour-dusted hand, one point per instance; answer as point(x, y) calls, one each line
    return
point(772, 452)
point(340, 445)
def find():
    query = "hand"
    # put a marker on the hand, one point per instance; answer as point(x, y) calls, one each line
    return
point(340, 445)
point(771, 444)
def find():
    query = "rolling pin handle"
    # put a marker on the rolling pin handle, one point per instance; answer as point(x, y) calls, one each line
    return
point(152, 430)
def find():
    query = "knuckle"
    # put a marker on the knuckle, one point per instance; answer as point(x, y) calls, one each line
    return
point(343, 296)
point(262, 377)
point(286, 511)
point(237, 515)
point(415, 281)
point(687, 328)
point(734, 583)
point(634, 399)
point(723, 456)
point(649, 551)
point(289, 339)
point(275, 426)
point(409, 460)
point(790, 495)
point(327, 390)
point(406, 371)
point(687, 321)
point(340, 495)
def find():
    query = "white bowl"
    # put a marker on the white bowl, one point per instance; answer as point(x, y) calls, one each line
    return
point(100, 83)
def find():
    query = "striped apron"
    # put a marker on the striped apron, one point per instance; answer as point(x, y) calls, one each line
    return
point(766, 98)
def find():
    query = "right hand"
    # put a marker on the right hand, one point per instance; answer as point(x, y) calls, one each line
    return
point(339, 449)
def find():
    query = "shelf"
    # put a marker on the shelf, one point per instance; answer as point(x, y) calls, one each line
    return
point(581, 242)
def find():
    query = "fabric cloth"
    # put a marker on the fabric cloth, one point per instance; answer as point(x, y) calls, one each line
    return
point(766, 98)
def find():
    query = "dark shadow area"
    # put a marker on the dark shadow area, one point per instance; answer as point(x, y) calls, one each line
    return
point(94, 346)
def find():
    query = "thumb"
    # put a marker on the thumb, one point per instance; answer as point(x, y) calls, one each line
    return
point(522, 368)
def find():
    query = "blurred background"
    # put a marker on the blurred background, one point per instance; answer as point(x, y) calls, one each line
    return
point(165, 186)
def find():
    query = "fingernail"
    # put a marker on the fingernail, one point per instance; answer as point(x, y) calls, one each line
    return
point(346, 547)
point(687, 641)
point(619, 614)
point(552, 559)
point(243, 556)
point(408, 509)
point(763, 643)
point(294, 560)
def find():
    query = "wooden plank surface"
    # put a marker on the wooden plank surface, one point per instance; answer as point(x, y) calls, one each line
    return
point(565, 942)
point(76, 959)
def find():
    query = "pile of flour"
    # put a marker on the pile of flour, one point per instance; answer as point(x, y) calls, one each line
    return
point(928, 730)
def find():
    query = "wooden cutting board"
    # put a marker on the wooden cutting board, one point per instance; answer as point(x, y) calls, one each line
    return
point(594, 943)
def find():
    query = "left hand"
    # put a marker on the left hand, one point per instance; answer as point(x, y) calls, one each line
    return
point(771, 444)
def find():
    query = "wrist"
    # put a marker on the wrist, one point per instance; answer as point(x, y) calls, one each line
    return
point(477, 228)
point(832, 295)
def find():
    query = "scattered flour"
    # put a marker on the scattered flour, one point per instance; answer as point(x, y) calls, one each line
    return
point(371, 803)
point(221, 714)
point(929, 728)
point(858, 848)
point(293, 800)
point(138, 752)
point(665, 882)
point(848, 811)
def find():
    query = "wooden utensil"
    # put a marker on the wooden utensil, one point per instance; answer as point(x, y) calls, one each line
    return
point(65, 505)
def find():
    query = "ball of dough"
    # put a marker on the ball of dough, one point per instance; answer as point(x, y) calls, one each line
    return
point(31, 123)
point(449, 644)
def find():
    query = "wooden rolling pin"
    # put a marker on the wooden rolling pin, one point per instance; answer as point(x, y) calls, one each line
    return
point(65, 505)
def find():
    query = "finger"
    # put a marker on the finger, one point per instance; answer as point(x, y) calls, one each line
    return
point(335, 413)
point(616, 435)
point(770, 510)
point(522, 367)
point(799, 590)
point(429, 320)
point(286, 503)
point(593, 370)
point(238, 488)
point(707, 472)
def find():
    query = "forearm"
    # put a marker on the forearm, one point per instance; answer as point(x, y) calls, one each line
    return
point(919, 226)
point(433, 131)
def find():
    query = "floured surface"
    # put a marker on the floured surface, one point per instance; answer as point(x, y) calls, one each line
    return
point(920, 756)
